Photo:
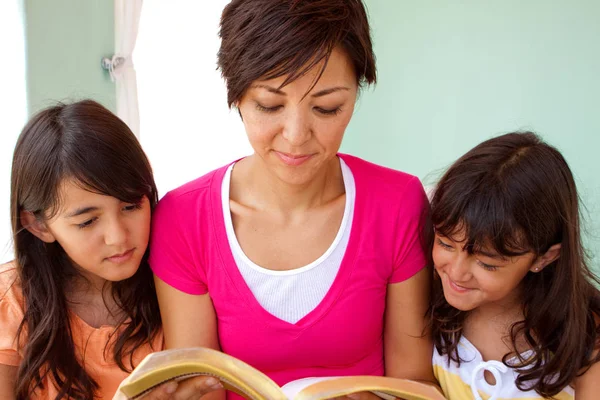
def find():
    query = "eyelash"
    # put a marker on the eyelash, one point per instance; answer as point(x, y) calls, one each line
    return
point(320, 110)
point(267, 109)
point(90, 222)
point(87, 223)
point(485, 266)
point(444, 245)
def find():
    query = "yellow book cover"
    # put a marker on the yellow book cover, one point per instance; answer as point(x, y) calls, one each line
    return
point(239, 377)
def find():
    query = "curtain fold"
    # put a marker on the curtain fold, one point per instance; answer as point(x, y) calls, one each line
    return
point(127, 19)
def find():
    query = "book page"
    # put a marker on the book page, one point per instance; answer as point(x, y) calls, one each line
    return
point(235, 375)
point(291, 389)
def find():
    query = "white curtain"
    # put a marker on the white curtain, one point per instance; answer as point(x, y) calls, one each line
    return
point(187, 129)
point(13, 107)
point(127, 18)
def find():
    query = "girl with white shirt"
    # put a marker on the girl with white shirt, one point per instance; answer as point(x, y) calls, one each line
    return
point(515, 305)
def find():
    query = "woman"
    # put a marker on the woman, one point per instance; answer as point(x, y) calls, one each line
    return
point(298, 260)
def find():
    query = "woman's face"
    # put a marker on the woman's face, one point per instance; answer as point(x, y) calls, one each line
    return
point(295, 132)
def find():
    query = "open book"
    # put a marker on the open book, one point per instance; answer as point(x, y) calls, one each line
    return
point(239, 377)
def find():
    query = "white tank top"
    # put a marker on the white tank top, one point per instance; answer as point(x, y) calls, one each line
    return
point(291, 295)
point(468, 381)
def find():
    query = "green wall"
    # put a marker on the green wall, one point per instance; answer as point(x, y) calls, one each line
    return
point(65, 40)
point(452, 74)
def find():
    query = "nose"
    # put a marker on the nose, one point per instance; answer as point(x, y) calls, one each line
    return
point(116, 232)
point(459, 269)
point(297, 129)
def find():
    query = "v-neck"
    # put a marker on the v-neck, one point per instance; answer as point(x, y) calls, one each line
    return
point(240, 284)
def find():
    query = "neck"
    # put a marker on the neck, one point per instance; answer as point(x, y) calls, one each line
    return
point(501, 313)
point(270, 192)
point(88, 288)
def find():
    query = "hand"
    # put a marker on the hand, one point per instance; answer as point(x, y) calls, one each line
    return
point(188, 389)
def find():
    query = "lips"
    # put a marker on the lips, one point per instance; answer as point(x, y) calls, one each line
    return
point(121, 257)
point(458, 288)
point(293, 159)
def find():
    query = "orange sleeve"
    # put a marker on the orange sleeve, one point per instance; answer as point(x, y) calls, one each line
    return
point(11, 315)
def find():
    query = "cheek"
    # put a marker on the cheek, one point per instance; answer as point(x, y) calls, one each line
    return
point(145, 225)
point(330, 134)
point(261, 130)
point(139, 225)
point(440, 258)
point(80, 248)
point(497, 285)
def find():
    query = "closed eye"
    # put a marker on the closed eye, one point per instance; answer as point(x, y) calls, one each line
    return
point(324, 111)
point(133, 207)
point(262, 108)
point(87, 223)
point(443, 245)
point(487, 267)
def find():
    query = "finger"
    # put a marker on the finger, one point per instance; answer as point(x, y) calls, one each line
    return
point(363, 396)
point(195, 388)
point(163, 392)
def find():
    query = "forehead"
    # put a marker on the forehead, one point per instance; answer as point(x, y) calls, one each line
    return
point(74, 194)
point(339, 71)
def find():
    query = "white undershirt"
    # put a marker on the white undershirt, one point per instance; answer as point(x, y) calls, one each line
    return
point(290, 295)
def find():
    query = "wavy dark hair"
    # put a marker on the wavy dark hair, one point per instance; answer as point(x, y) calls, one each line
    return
point(517, 194)
point(85, 142)
point(266, 39)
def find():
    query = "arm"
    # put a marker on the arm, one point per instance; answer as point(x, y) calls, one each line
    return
point(408, 351)
point(8, 378)
point(587, 386)
point(188, 321)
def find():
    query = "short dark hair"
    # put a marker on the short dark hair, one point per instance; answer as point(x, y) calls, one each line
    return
point(271, 38)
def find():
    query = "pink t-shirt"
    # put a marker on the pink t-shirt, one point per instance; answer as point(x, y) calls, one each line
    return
point(343, 335)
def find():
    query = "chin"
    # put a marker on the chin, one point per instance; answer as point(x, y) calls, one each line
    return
point(460, 305)
point(122, 274)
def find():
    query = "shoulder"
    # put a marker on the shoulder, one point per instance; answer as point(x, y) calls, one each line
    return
point(11, 293)
point(10, 286)
point(390, 189)
point(374, 174)
point(193, 195)
point(197, 187)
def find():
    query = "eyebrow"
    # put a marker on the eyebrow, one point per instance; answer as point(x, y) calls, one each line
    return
point(280, 92)
point(80, 211)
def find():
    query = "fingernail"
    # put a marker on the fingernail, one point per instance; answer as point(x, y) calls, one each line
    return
point(211, 382)
point(353, 396)
point(171, 387)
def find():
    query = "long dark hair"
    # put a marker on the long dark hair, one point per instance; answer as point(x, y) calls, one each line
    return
point(85, 142)
point(517, 194)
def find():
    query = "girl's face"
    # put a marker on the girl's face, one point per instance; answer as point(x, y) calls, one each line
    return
point(480, 279)
point(296, 132)
point(104, 237)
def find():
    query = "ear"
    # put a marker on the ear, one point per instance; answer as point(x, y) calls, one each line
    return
point(36, 227)
point(547, 258)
